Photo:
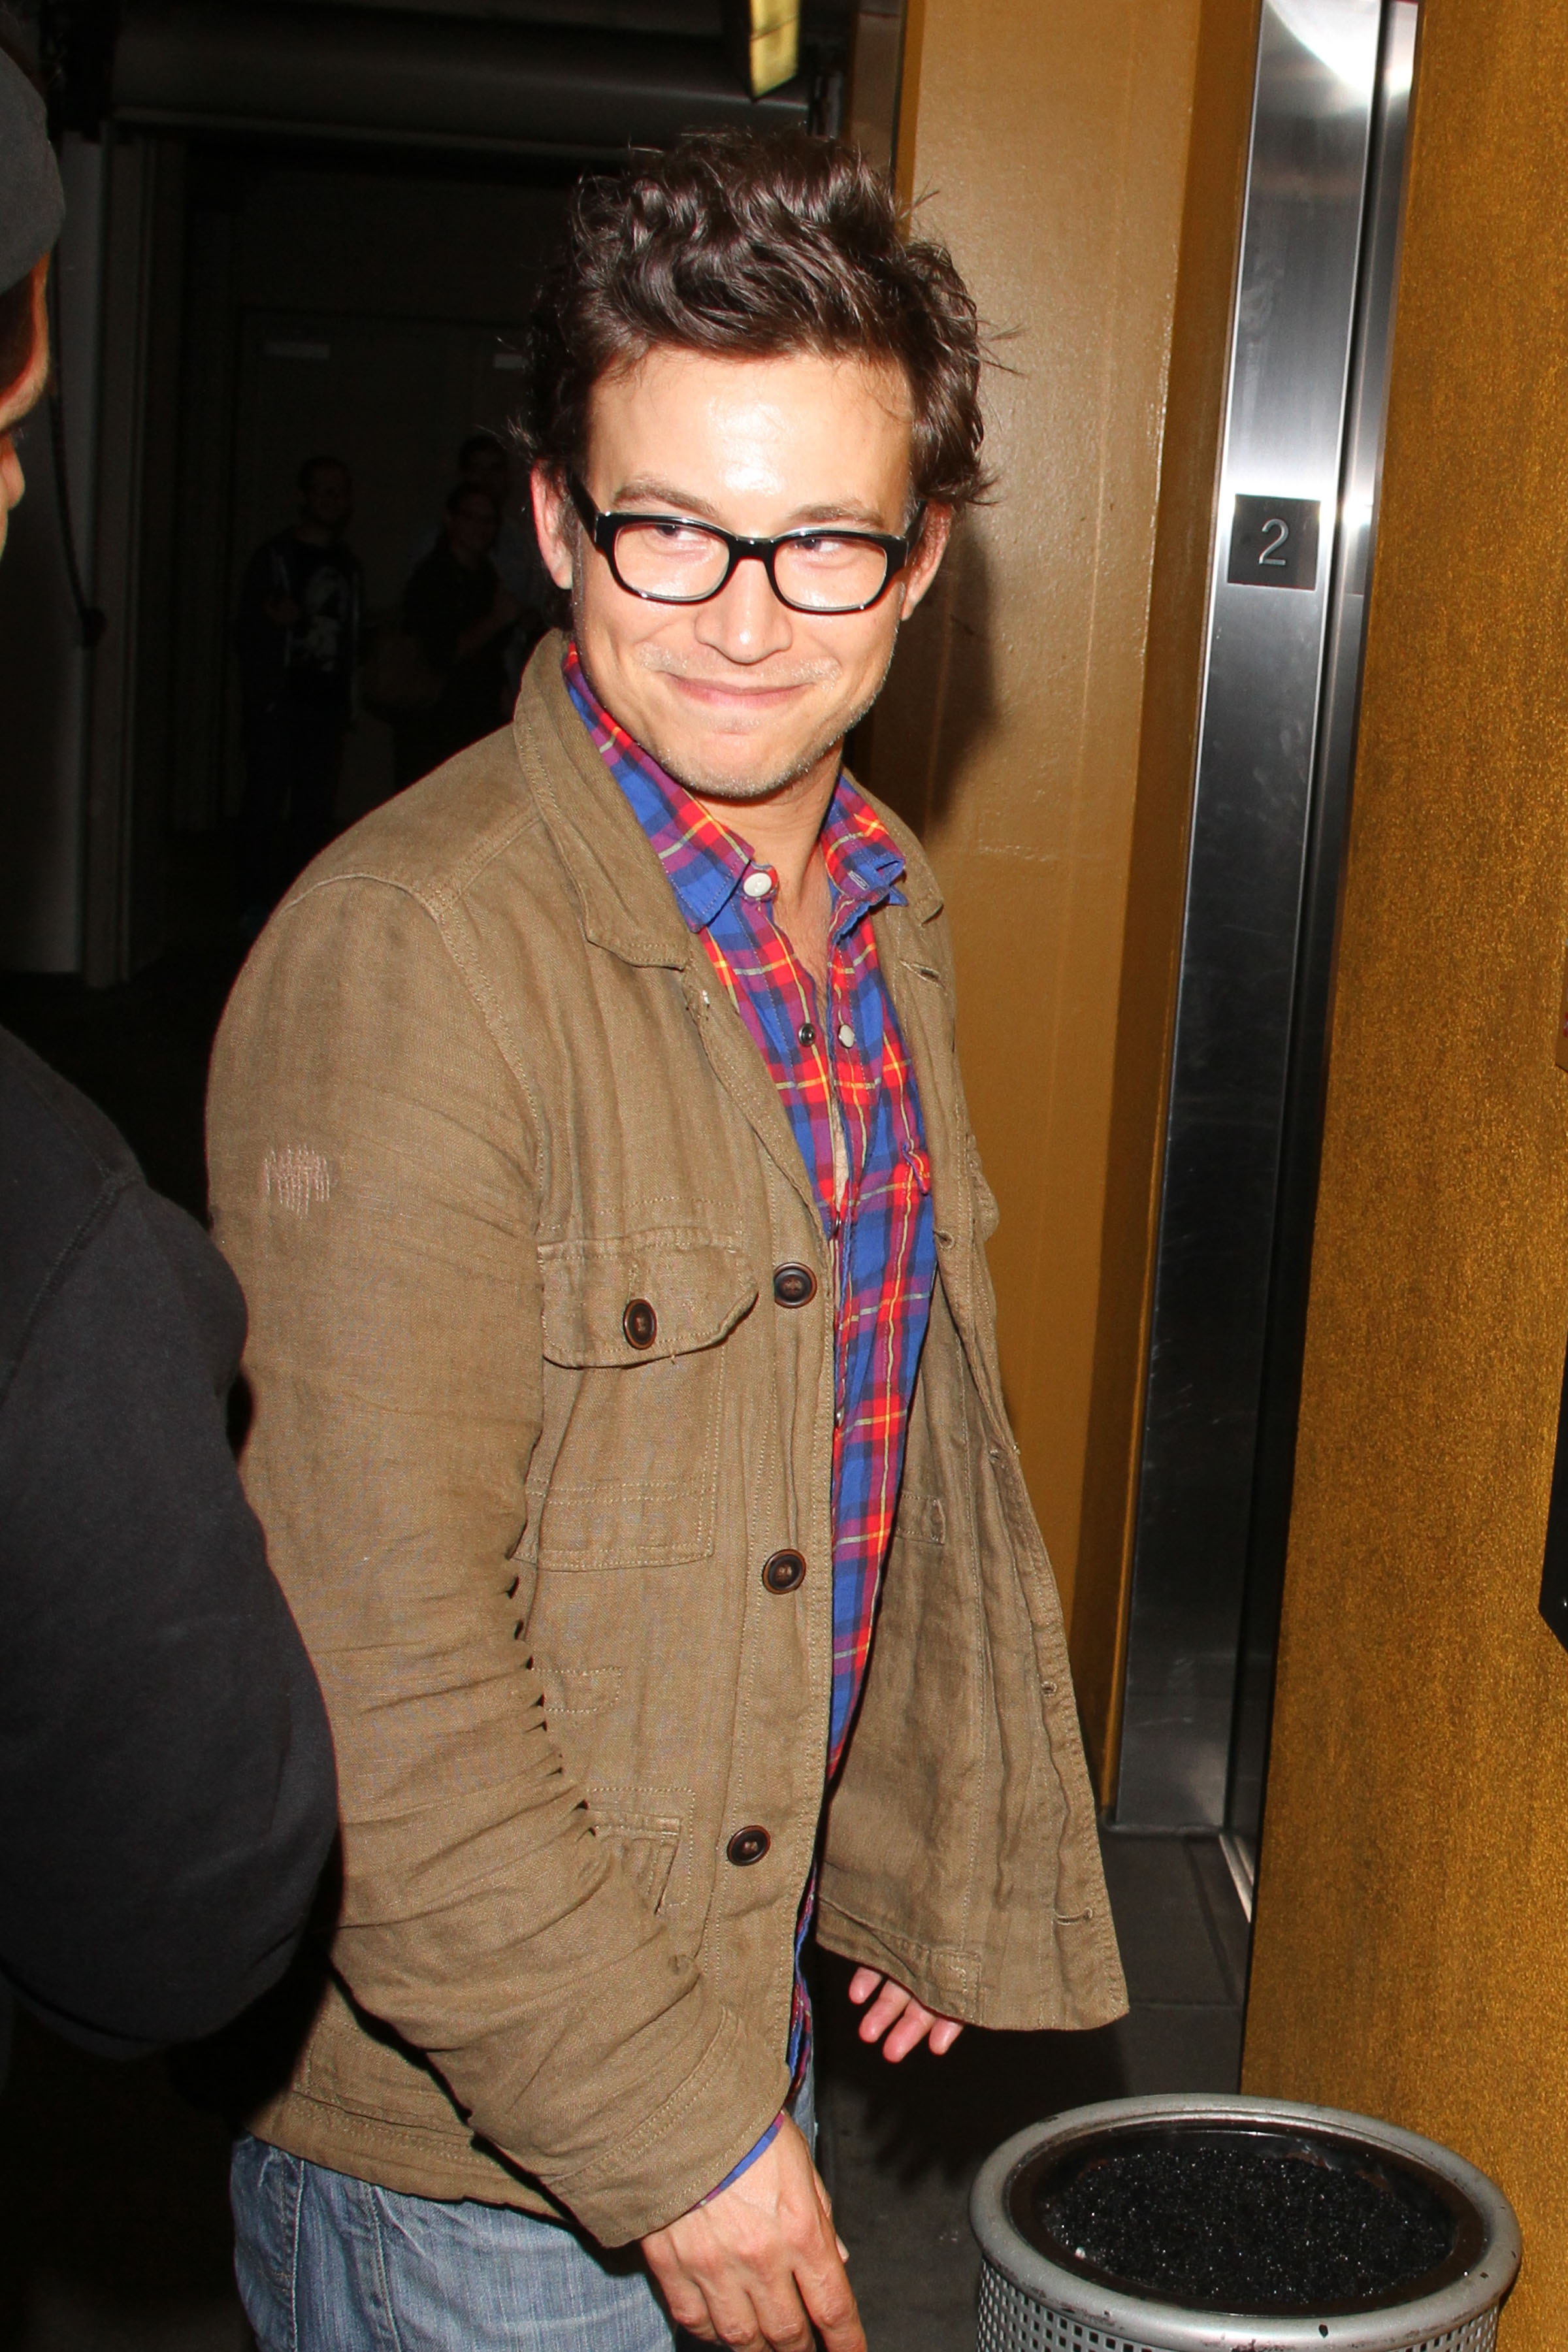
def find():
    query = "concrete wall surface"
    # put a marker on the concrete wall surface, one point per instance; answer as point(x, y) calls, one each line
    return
point(1412, 1941)
point(1050, 148)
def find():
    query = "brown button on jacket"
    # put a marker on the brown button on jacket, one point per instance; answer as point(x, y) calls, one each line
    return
point(477, 1103)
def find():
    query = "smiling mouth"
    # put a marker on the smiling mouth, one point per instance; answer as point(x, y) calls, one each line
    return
point(736, 686)
point(740, 699)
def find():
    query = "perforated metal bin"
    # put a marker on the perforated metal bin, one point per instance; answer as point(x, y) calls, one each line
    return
point(1036, 2297)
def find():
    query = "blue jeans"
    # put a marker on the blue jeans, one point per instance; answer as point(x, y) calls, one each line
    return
point(327, 2263)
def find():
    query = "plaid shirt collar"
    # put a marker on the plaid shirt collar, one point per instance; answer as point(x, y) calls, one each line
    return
point(703, 862)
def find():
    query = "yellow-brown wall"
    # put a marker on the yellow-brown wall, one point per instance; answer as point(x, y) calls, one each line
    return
point(1052, 148)
point(1412, 1943)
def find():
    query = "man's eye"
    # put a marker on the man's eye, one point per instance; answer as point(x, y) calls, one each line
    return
point(821, 547)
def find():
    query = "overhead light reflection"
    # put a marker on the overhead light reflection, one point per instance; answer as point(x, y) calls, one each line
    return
point(1342, 34)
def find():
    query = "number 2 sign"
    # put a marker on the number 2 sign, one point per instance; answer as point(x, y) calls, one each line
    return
point(1274, 543)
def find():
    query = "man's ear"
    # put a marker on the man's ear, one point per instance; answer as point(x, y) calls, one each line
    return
point(552, 520)
point(922, 568)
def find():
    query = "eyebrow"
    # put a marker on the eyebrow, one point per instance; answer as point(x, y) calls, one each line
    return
point(646, 490)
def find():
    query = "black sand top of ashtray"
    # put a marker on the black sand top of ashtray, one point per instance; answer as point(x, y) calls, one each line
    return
point(1236, 2219)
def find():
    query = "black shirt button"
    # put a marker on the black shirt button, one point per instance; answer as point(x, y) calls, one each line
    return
point(794, 1285)
point(639, 1323)
point(806, 1034)
point(748, 1845)
point(784, 1572)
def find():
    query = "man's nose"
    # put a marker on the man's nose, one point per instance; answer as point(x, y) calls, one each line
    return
point(745, 620)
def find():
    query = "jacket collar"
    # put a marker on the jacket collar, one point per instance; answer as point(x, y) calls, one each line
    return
point(627, 904)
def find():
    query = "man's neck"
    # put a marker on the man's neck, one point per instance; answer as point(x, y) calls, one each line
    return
point(314, 534)
point(782, 830)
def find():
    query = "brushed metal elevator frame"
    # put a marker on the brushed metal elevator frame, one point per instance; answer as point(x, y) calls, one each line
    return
point(1304, 419)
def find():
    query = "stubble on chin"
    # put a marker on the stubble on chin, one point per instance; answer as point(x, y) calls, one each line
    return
point(718, 780)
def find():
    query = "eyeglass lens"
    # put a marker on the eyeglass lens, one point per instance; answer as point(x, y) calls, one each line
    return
point(682, 563)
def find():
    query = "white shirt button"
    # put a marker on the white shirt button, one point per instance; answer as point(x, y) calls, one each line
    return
point(758, 883)
point(845, 1034)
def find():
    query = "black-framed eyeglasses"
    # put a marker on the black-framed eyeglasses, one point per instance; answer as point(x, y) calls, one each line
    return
point(670, 560)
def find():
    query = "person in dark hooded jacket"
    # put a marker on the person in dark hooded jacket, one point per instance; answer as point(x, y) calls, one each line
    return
point(167, 1793)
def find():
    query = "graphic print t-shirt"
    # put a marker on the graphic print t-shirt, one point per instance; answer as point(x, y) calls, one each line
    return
point(310, 662)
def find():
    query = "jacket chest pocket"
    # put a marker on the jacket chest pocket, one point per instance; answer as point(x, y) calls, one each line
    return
point(633, 1328)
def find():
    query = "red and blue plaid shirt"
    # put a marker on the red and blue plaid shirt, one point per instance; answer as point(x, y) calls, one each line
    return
point(839, 1064)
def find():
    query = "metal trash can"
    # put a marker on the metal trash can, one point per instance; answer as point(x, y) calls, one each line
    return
point(1136, 2225)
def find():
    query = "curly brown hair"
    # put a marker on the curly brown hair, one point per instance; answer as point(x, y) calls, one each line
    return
point(749, 246)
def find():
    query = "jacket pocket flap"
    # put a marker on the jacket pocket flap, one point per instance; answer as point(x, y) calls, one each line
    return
point(641, 1296)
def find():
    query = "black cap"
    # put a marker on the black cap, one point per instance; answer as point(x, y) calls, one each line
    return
point(32, 201)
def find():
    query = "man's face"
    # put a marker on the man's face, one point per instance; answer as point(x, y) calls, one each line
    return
point(472, 528)
point(18, 398)
point(328, 499)
point(739, 696)
point(488, 469)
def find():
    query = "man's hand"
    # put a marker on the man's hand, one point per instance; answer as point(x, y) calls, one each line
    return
point(911, 2022)
point(759, 2266)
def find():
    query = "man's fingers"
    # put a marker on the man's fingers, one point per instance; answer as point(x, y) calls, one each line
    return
point(915, 2024)
point(782, 2322)
point(890, 2003)
point(825, 2202)
point(830, 2300)
point(759, 2265)
point(713, 2317)
point(684, 2299)
point(741, 2327)
point(905, 2021)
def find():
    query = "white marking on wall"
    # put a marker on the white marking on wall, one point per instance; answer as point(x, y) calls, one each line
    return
point(295, 1177)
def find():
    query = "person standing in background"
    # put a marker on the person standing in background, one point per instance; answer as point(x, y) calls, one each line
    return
point(297, 636)
point(167, 1791)
point(459, 613)
point(482, 460)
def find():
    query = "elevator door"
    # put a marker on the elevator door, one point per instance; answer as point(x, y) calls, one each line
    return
point(1292, 552)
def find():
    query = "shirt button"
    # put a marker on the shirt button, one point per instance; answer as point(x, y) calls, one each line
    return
point(806, 1034)
point(794, 1285)
point(758, 883)
point(639, 1323)
point(784, 1572)
point(748, 1845)
point(845, 1034)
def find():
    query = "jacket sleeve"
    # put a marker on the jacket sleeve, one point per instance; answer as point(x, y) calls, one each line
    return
point(164, 1757)
point(374, 1177)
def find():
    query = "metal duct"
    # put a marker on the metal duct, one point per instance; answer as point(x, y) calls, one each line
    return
point(390, 76)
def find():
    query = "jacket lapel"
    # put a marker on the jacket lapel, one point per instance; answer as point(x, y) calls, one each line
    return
point(923, 1002)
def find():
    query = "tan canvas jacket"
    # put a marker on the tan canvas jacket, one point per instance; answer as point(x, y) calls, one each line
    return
point(477, 1091)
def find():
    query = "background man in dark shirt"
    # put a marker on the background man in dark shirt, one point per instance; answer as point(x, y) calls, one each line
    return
point(482, 460)
point(298, 640)
point(456, 609)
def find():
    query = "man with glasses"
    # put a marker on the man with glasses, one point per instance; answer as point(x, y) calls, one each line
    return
point(587, 1133)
